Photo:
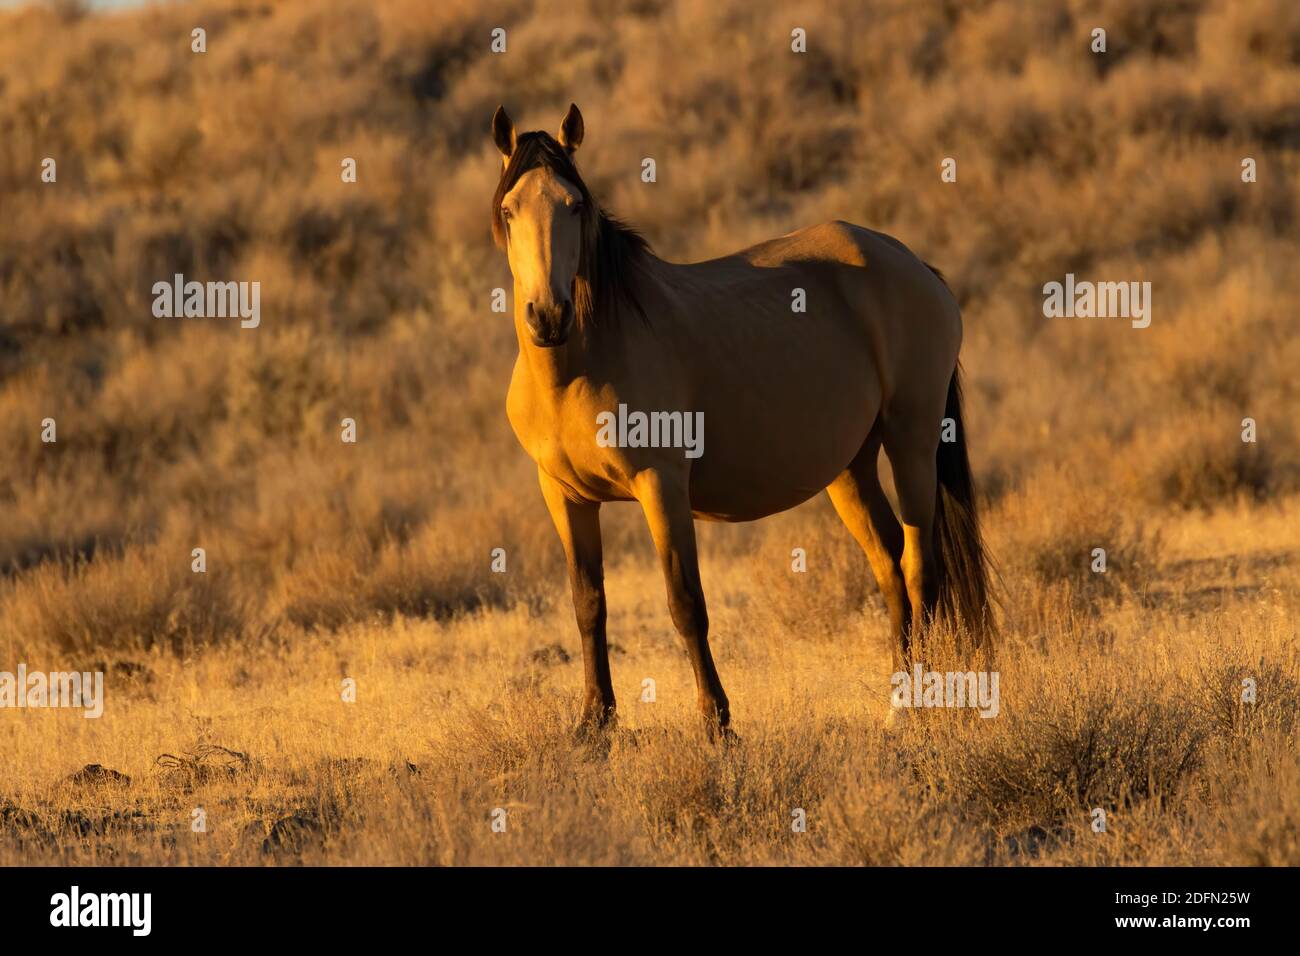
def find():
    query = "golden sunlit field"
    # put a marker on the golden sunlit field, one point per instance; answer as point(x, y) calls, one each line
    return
point(226, 737)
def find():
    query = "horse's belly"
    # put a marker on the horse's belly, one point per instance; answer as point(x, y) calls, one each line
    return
point(753, 495)
point(754, 465)
point(747, 509)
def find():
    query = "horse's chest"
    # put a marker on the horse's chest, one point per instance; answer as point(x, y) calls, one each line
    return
point(578, 466)
point(563, 443)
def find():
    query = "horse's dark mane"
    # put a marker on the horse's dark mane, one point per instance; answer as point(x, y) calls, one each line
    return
point(610, 248)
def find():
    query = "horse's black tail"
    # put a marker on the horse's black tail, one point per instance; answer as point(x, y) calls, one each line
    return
point(965, 597)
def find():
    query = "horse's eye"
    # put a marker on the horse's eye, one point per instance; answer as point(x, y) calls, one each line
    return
point(576, 208)
point(505, 214)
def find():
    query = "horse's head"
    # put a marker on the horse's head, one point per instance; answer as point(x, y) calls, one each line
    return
point(545, 219)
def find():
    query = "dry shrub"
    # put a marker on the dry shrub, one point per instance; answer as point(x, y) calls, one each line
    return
point(1202, 462)
point(880, 814)
point(144, 598)
point(1256, 795)
point(1044, 538)
point(1223, 703)
point(439, 572)
point(1052, 764)
point(826, 599)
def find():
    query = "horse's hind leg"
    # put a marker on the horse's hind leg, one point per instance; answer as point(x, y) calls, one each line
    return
point(862, 506)
point(911, 454)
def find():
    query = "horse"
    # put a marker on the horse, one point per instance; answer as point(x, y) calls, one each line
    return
point(795, 401)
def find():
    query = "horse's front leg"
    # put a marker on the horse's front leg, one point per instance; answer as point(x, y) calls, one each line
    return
point(578, 524)
point(665, 499)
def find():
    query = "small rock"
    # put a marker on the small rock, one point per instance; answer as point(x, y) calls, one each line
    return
point(294, 834)
point(95, 775)
point(549, 655)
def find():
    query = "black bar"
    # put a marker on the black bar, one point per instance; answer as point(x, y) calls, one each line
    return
point(947, 907)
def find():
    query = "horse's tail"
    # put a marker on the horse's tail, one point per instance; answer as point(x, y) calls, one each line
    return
point(964, 567)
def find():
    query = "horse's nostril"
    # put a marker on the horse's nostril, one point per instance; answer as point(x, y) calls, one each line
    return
point(550, 322)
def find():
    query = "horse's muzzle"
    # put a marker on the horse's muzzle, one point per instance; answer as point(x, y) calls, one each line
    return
point(550, 324)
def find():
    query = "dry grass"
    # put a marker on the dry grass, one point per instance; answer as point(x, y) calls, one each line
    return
point(326, 560)
point(454, 720)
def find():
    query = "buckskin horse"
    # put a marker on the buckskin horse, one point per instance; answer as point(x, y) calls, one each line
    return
point(794, 402)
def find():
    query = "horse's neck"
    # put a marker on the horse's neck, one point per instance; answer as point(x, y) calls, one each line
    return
point(548, 370)
point(608, 347)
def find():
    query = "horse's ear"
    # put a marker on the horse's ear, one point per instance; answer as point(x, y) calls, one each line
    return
point(503, 132)
point(571, 129)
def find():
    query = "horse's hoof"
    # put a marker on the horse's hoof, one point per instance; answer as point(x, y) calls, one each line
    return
point(718, 728)
point(595, 725)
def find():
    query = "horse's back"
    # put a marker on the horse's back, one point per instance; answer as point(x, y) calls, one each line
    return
point(864, 253)
point(866, 286)
point(834, 242)
point(903, 303)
